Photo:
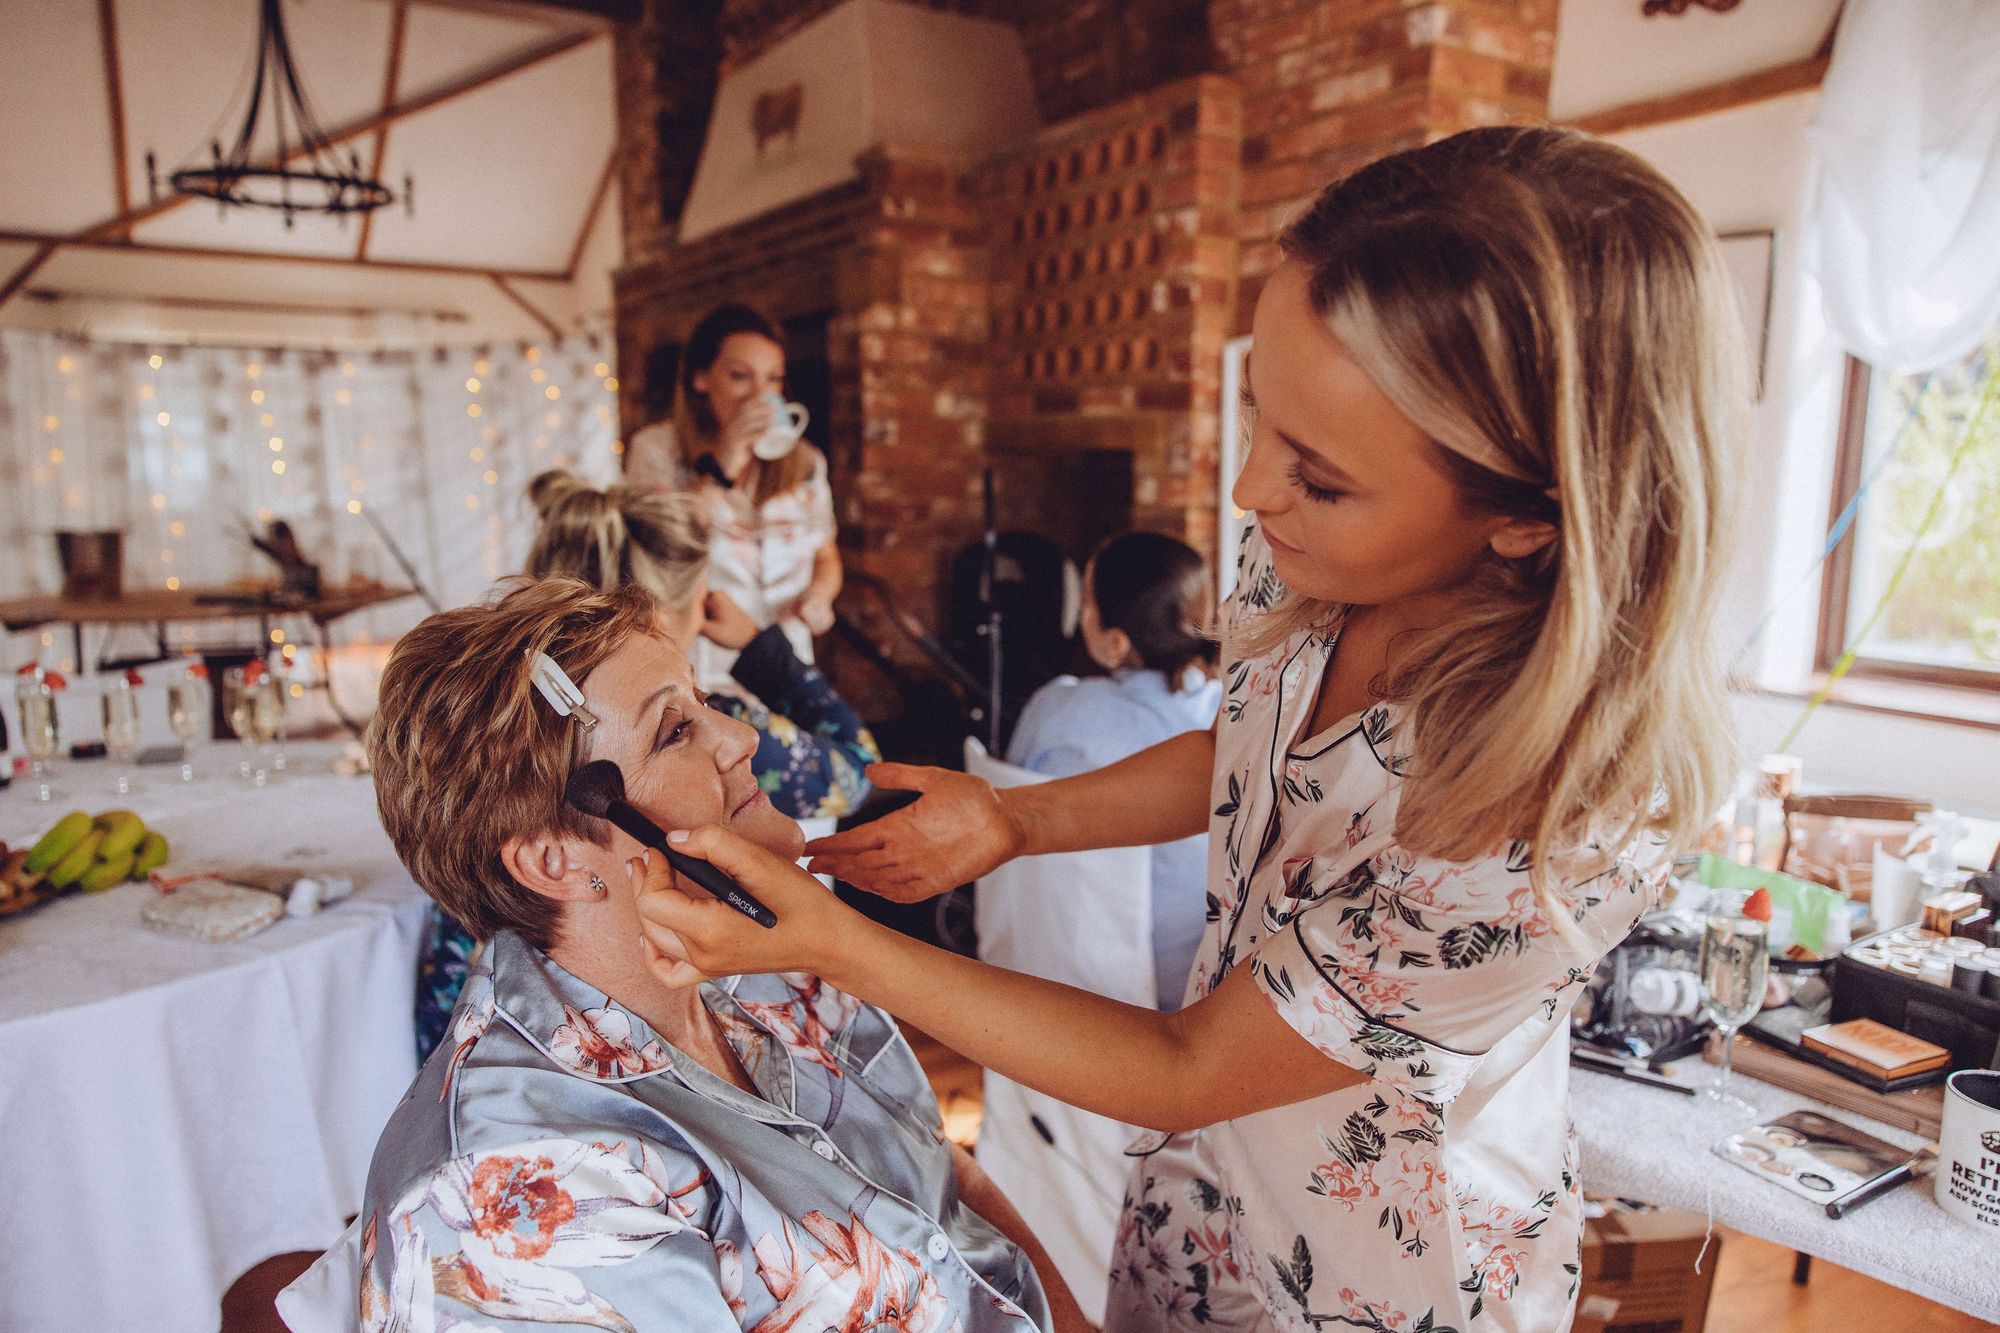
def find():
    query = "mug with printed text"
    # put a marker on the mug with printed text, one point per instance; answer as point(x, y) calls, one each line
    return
point(1968, 1171)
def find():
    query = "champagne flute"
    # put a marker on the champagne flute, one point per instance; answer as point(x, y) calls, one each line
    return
point(280, 680)
point(121, 729)
point(239, 702)
point(187, 708)
point(1734, 960)
point(39, 736)
point(267, 717)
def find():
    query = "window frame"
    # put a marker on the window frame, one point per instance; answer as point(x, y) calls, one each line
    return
point(1836, 583)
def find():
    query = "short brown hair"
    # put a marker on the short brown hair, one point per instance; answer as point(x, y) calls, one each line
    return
point(468, 755)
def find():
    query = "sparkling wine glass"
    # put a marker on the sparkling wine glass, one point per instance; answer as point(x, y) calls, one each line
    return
point(1734, 961)
point(37, 703)
point(276, 703)
point(240, 688)
point(187, 709)
point(121, 729)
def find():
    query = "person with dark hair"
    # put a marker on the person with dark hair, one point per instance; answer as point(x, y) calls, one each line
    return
point(1147, 600)
point(769, 506)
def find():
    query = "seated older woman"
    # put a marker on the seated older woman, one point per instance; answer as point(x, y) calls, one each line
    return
point(603, 1139)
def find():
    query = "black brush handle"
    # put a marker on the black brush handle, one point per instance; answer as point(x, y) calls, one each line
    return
point(701, 872)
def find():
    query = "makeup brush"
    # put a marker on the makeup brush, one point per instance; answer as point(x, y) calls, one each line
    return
point(598, 788)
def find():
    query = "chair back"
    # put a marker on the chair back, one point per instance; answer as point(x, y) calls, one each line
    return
point(1082, 918)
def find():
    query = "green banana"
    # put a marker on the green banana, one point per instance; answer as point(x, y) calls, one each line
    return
point(106, 873)
point(122, 832)
point(58, 842)
point(151, 855)
point(81, 857)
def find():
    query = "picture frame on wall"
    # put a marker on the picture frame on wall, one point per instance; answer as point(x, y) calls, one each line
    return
point(1750, 259)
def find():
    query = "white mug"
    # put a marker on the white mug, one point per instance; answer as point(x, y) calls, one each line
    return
point(1968, 1171)
point(1895, 892)
point(785, 432)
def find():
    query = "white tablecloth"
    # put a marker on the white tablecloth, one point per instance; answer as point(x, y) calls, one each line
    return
point(173, 1111)
point(1646, 1143)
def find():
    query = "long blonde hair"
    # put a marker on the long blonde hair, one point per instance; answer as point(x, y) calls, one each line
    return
point(1553, 314)
point(623, 534)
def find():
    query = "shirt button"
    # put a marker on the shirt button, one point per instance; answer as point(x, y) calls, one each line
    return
point(823, 1148)
point(939, 1248)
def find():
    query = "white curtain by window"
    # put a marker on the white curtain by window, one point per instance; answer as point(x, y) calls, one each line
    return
point(185, 449)
point(1904, 229)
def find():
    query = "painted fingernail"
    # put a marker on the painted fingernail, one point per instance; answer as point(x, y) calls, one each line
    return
point(677, 836)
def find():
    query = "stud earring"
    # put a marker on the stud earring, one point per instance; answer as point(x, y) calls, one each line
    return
point(598, 886)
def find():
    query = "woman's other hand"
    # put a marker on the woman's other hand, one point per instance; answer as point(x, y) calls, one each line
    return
point(816, 612)
point(751, 423)
point(726, 624)
point(956, 831)
point(684, 928)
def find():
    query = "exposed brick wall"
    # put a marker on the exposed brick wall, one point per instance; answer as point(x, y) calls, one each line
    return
point(900, 258)
point(1331, 85)
point(665, 72)
point(1059, 313)
point(1112, 297)
point(1095, 52)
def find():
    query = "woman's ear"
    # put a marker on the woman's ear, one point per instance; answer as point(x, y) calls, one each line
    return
point(699, 381)
point(1117, 650)
point(1520, 537)
point(545, 863)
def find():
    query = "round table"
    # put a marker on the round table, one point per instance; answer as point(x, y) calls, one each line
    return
point(172, 1110)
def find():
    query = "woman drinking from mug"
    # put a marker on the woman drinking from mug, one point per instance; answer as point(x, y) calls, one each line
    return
point(737, 444)
point(1469, 710)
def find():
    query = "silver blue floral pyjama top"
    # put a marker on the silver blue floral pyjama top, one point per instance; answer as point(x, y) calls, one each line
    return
point(556, 1163)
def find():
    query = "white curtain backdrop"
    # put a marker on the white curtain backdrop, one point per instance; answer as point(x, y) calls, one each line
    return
point(184, 449)
point(1904, 229)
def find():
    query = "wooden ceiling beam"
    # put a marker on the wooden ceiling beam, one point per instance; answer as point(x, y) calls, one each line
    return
point(590, 213)
point(275, 257)
point(538, 54)
point(20, 276)
point(399, 27)
point(601, 15)
point(114, 98)
point(534, 311)
point(1745, 90)
point(253, 307)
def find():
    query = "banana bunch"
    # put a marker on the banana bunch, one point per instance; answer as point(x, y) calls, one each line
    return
point(81, 852)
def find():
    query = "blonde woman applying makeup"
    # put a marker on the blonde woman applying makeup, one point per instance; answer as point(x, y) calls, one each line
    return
point(1469, 711)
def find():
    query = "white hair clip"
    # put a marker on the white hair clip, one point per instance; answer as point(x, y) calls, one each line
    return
point(558, 688)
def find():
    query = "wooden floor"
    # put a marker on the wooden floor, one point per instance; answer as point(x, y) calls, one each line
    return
point(1753, 1281)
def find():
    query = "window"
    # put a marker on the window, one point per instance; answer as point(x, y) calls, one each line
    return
point(1902, 437)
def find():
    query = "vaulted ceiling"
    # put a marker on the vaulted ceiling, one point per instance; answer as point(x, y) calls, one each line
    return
point(500, 111)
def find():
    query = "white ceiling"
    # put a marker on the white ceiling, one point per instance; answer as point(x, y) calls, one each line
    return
point(511, 176)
